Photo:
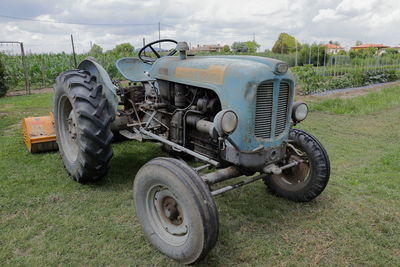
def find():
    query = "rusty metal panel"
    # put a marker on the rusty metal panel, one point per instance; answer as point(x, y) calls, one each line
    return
point(213, 74)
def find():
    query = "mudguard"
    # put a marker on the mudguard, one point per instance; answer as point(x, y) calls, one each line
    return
point(102, 77)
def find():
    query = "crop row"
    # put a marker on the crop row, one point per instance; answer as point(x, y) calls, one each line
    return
point(43, 69)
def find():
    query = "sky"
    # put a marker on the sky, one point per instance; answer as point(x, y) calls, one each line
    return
point(111, 22)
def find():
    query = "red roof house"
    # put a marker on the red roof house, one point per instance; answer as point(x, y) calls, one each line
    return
point(364, 46)
point(333, 49)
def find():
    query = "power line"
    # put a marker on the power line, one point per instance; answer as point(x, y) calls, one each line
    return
point(79, 23)
point(111, 24)
point(202, 32)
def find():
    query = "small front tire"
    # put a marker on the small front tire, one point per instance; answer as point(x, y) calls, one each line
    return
point(176, 210)
point(307, 180)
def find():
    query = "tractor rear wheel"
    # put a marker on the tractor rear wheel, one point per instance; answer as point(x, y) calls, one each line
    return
point(308, 179)
point(82, 121)
point(176, 209)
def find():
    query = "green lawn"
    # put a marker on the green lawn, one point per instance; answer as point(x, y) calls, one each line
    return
point(47, 219)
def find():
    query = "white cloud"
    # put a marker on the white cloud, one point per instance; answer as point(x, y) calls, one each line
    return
point(326, 14)
point(357, 6)
point(199, 22)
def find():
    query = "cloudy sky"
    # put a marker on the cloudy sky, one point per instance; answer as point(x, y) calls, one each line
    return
point(110, 22)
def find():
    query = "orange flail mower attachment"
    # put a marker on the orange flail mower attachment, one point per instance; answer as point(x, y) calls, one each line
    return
point(39, 133)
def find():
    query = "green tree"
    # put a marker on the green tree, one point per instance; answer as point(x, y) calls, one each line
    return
point(252, 46)
point(363, 53)
point(3, 85)
point(226, 48)
point(285, 44)
point(313, 54)
point(96, 50)
point(358, 42)
point(125, 49)
point(239, 47)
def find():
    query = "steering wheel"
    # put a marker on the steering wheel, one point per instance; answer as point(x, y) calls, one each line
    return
point(146, 59)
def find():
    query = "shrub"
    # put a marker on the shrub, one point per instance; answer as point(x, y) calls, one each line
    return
point(308, 78)
point(380, 76)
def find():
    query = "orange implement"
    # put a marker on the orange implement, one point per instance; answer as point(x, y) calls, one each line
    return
point(39, 134)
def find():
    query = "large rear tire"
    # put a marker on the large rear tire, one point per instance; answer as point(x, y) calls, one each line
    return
point(307, 180)
point(176, 210)
point(82, 121)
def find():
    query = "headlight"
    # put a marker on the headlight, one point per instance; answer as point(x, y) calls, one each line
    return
point(225, 122)
point(299, 111)
point(281, 67)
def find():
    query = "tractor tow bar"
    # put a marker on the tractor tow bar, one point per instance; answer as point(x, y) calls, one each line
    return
point(239, 184)
point(179, 147)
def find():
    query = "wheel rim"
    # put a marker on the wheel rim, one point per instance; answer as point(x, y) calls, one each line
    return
point(298, 176)
point(167, 215)
point(68, 129)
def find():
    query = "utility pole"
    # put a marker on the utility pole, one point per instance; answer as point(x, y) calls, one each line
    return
point(25, 66)
point(324, 60)
point(159, 34)
point(73, 50)
point(254, 41)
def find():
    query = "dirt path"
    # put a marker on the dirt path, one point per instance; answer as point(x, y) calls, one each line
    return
point(34, 91)
point(348, 92)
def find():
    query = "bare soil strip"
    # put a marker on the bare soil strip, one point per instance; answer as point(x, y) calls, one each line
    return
point(349, 92)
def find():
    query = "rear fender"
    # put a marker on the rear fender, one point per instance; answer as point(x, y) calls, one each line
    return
point(102, 78)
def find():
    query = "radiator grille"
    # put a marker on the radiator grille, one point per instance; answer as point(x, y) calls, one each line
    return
point(264, 100)
point(281, 115)
point(264, 110)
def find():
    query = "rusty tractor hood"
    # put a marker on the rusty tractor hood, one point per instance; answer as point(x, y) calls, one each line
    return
point(211, 71)
point(235, 80)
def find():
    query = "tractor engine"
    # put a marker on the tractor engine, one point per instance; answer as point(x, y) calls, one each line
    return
point(173, 111)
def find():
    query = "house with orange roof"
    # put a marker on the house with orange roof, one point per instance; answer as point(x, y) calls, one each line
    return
point(333, 49)
point(206, 48)
point(380, 47)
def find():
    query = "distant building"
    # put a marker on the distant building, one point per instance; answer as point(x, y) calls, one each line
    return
point(206, 48)
point(333, 49)
point(380, 47)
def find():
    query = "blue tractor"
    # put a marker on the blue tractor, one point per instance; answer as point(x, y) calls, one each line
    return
point(235, 114)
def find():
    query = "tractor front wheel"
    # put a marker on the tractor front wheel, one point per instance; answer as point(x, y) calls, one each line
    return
point(308, 179)
point(82, 122)
point(176, 210)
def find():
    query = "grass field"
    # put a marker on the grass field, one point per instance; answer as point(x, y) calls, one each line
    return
point(47, 219)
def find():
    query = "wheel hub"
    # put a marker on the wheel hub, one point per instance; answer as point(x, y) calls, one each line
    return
point(298, 173)
point(72, 126)
point(297, 176)
point(68, 129)
point(169, 212)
